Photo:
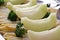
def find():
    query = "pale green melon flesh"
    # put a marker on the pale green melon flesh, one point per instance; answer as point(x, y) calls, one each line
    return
point(33, 13)
point(53, 34)
point(40, 25)
point(30, 3)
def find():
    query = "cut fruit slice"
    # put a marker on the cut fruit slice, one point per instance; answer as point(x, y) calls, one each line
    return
point(16, 1)
point(53, 34)
point(34, 12)
point(30, 3)
point(40, 25)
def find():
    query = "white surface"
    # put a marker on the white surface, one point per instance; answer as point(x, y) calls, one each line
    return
point(1, 38)
point(48, 1)
point(52, 2)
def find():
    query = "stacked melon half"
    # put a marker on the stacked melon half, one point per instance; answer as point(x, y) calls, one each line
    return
point(31, 16)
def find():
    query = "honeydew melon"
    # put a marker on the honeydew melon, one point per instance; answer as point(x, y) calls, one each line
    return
point(53, 34)
point(40, 25)
point(30, 3)
point(16, 1)
point(34, 12)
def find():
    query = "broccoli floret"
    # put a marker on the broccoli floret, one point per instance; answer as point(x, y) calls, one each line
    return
point(47, 14)
point(20, 31)
point(19, 24)
point(48, 5)
point(12, 16)
point(1, 2)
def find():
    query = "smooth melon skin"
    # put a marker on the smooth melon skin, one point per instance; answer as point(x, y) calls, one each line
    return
point(34, 12)
point(40, 25)
point(29, 4)
point(53, 34)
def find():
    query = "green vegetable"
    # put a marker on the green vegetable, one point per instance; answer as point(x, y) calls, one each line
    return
point(48, 5)
point(1, 2)
point(19, 24)
point(48, 13)
point(20, 31)
point(12, 16)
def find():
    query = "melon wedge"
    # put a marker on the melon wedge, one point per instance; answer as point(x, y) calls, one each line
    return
point(40, 25)
point(34, 12)
point(53, 34)
point(16, 1)
point(29, 4)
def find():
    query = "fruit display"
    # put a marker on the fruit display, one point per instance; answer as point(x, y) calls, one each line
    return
point(29, 20)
